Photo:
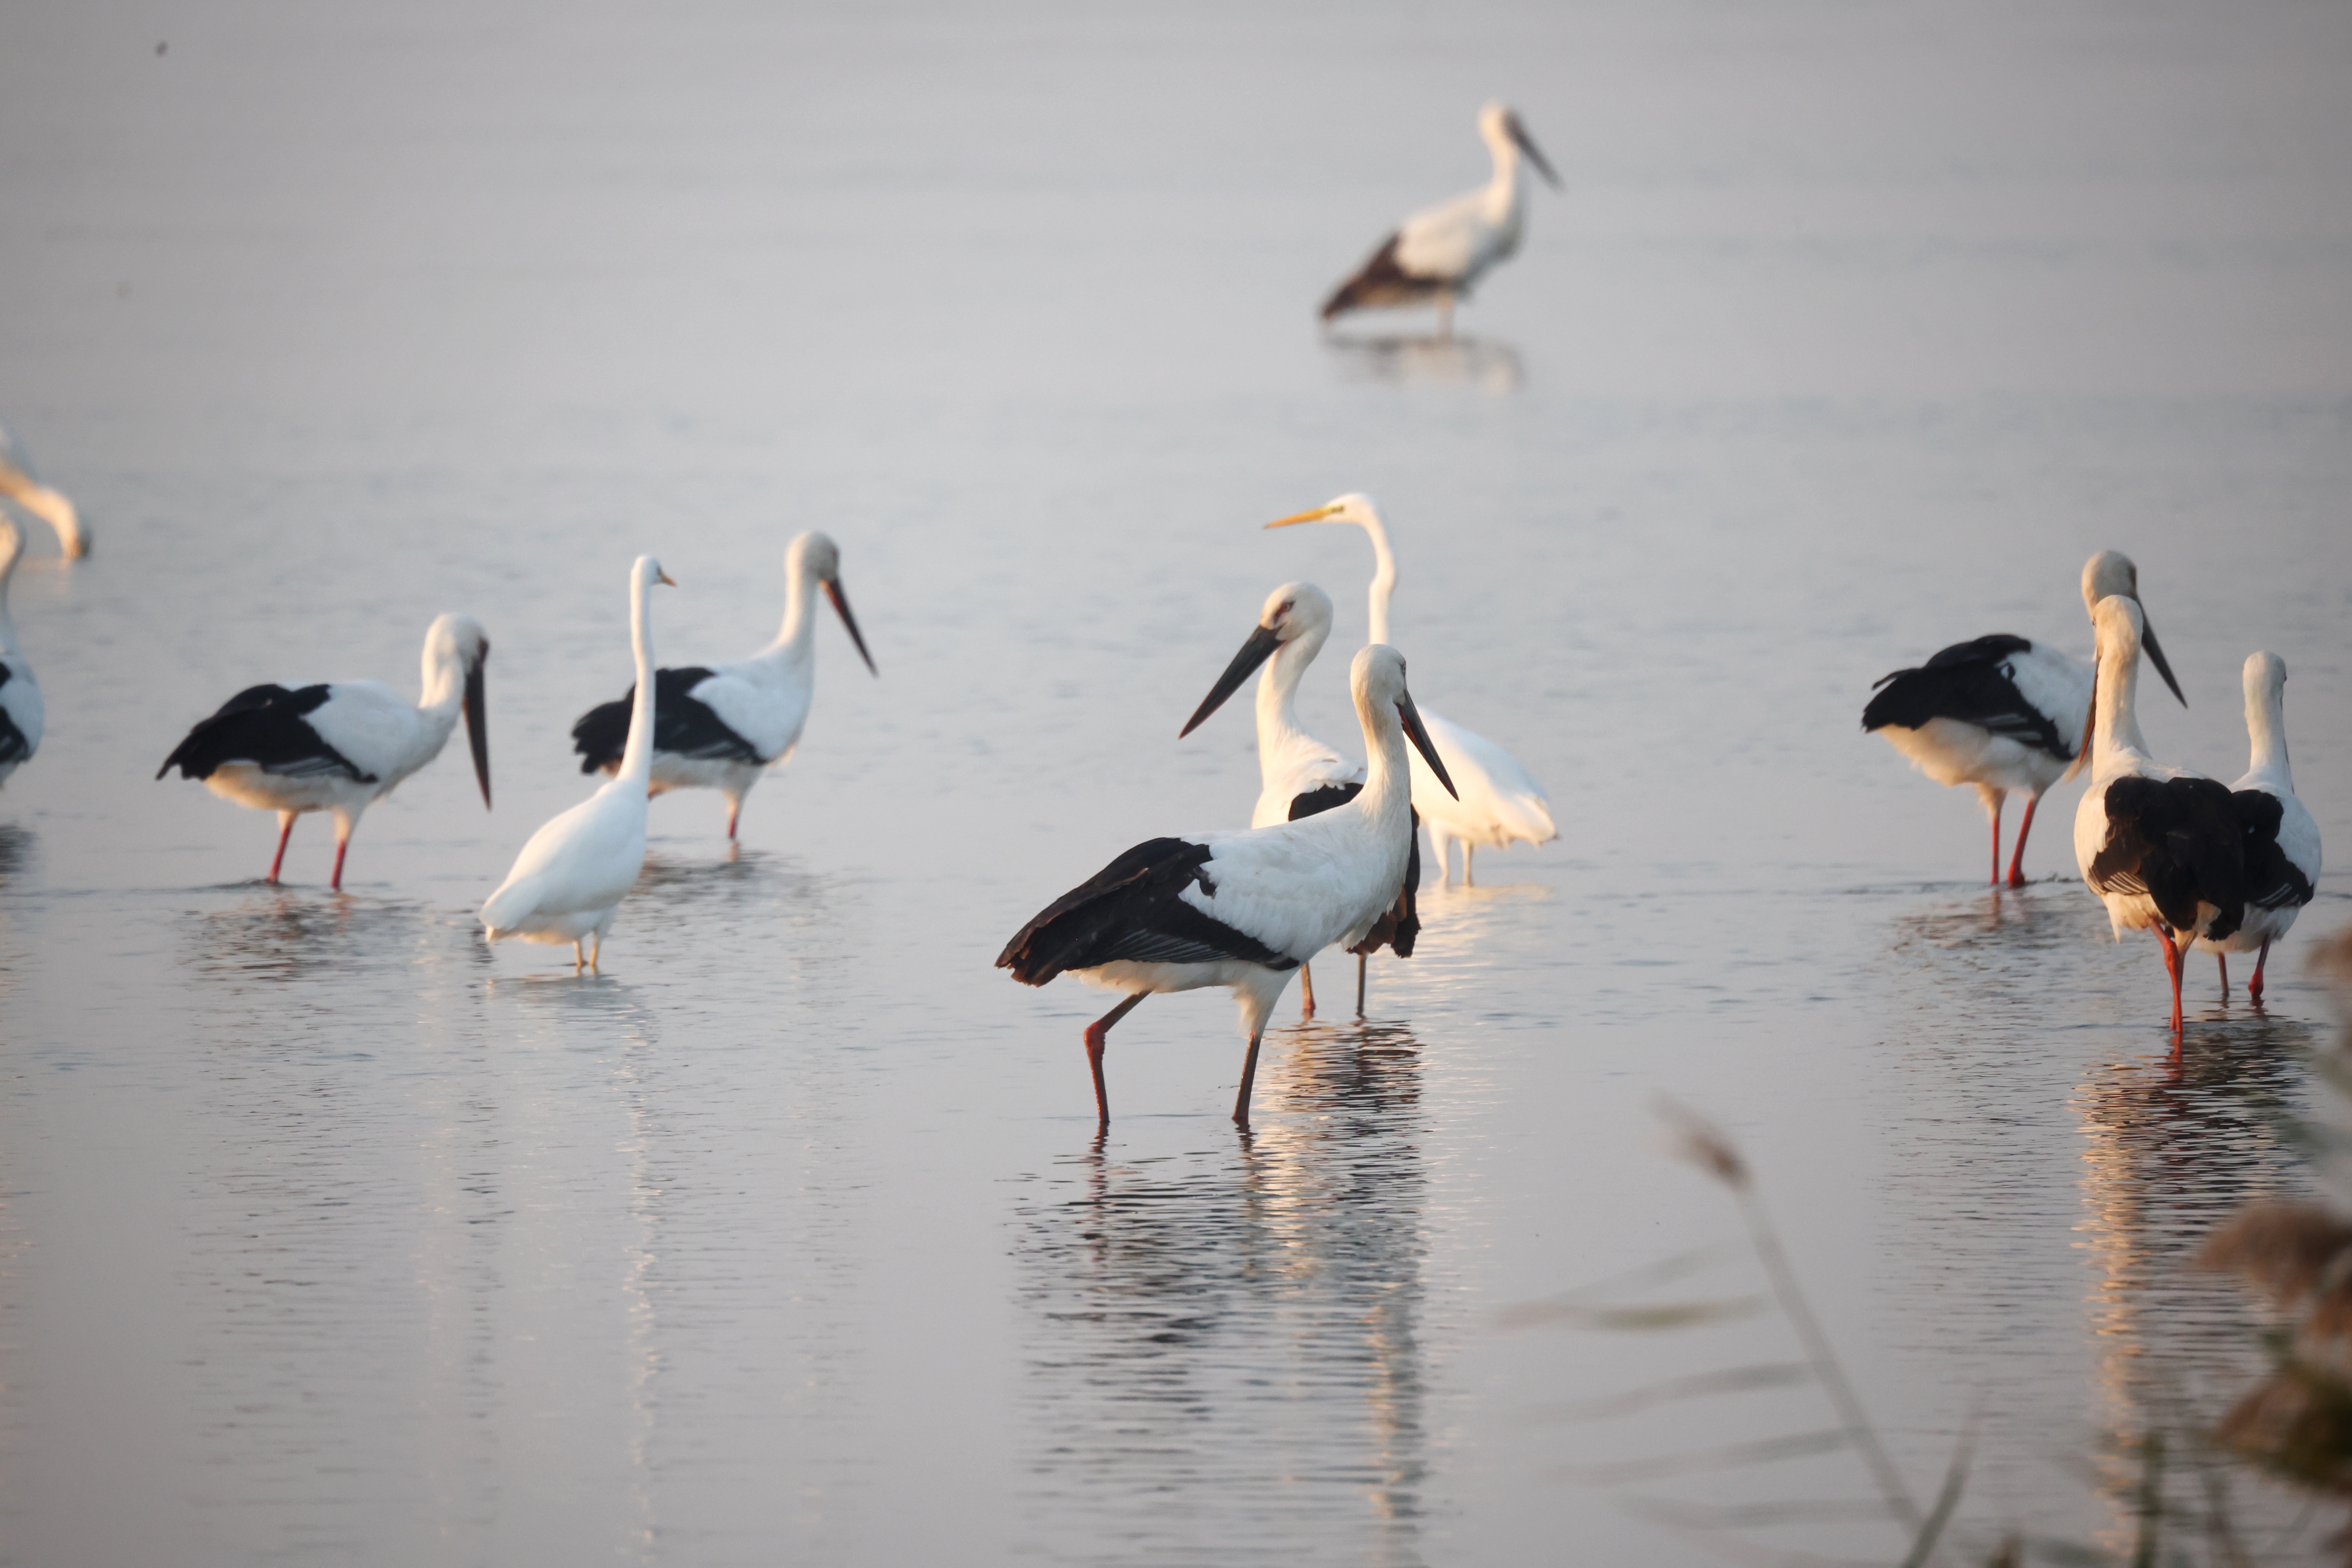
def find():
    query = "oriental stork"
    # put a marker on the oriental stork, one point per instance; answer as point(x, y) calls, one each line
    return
point(721, 728)
point(2162, 847)
point(1243, 908)
point(569, 879)
point(340, 746)
point(2002, 713)
point(1499, 802)
point(20, 484)
point(1437, 255)
point(1298, 775)
point(2282, 841)
point(21, 711)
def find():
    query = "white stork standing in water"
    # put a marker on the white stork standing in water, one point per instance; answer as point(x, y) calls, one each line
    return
point(1298, 775)
point(1242, 908)
point(21, 485)
point(1437, 256)
point(2002, 713)
point(721, 728)
point(569, 879)
point(340, 746)
point(21, 710)
point(2282, 841)
point(1499, 802)
point(2163, 847)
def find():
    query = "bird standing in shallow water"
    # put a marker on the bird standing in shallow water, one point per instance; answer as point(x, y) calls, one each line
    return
point(722, 728)
point(22, 713)
point(2160, 846)
point(2282, 841)
point(1298, 775)
point(340, 746)
point(1437, 255)
point(569, 879)
point(2005, 713)
point(1241, 909)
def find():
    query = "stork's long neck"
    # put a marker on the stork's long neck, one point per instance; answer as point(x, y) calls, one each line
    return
point(2265, 727)
point(11, 546)
point(1279, 730)
point(2117, 734)
point(637, 756)
point(797, 636)
point(1503, 187)
point(1386, 796)
point(1385, 577)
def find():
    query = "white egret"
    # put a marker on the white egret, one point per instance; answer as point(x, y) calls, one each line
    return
point(1499, 802)
point(1243, 908)
point(1437, 255)
point(722, 728)
point(2160, 846)
point(2003, 713)
point(21, 710)
point(20, 484)
point(569, 879)
point(340, 746)
point(2282, 841)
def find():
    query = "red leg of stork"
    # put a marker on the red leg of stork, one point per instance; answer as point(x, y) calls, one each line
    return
point(1249, 1077)
point(2254, 986)
point(734, 810)
point(285, 832)
point(2172, 967)
point(2225, 959)
point(2017, 857)
point(1096, 1032)
point(1306, 993)
point(342, 845)
point(1995, 842)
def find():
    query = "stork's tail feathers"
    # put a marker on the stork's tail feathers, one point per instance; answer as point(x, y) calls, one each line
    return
point(1380, 281)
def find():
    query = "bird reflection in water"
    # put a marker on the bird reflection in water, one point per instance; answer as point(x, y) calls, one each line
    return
point(275, 934)
point(2170, 1151)
point(15, 851)
point(1231, 1339)
point(1485, 363)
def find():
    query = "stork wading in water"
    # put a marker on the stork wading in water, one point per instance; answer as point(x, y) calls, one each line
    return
point(722, 728)
point(2281, 840)
point(20, 485)
point(1298, 775)
point(569, 879)
point(340, 746)
point(2161, 847)
point(22, 713)
point(2005, 713)
point(1241, 909)
point(1499, 802)
point(1437, 256)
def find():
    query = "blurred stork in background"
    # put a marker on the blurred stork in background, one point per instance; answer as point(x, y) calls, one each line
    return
point(20, 484)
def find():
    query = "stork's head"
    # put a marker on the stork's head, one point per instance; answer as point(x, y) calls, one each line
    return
point(1499, 124)
point(813, 557)
point(2111, 574)
point(1376, 680)
point(456, 649)
point(1293, 611)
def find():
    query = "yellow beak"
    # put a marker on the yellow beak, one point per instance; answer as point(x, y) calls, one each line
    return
point(666, 577)
point(1317, 515)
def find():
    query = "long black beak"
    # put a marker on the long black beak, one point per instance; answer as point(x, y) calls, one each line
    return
point(1527, 145)
point(841, 607)
point(477, 724)
point(2156, 654)
point(1420, 738)
point(1255, 652)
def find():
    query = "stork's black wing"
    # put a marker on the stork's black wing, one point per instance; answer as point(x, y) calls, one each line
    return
point(1969, 682)
point(1381, 280)
point(2273, 881)
point(264, 725)
point(2179, 841)
point(683, 726)
point(1129, 910)
point(1401, 926)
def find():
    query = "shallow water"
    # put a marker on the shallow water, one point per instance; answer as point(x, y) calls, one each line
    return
point(328, 1232)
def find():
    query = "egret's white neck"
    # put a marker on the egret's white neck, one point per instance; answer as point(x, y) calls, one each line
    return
point(637, 756)
point(1277, 690)
point(1385, 577)
point(2117, 737)
point(2265, 727)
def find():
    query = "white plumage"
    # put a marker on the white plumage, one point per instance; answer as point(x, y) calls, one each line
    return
point(340, 746)
point(1499, 802)
point(1292, 765)
point(22, 713)
point(722, 728)
point(21, 485)
point(1241, 909)
point(569, 879)
point(1438, 254)
point(2283, 869)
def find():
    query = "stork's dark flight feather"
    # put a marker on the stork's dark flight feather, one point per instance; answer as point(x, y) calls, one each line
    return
point(13, 748)
point(2273, 881)
point(263, 725)
point(1129, 910)
point(1381, 280)
point(683, 726)
point(1966, 682)
point(1401, 926)
point(2182, 843)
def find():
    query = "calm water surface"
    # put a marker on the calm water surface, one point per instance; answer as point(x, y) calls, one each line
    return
point(327, 1234)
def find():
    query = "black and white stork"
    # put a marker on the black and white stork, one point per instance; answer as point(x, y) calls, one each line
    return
point(2002, 713)
point(340, 746)
point(722, 728)
point(1298, 775)
point(2282, 841)
point(2162, 847)
point(21, 709)
point(1242, 908)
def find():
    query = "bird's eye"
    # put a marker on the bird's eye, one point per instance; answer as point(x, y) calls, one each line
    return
point(1288, 606)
